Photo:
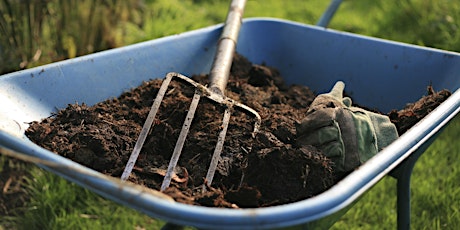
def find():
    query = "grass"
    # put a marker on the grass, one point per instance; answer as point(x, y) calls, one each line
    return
point(58, 204)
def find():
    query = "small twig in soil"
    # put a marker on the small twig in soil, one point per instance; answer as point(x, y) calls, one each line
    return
point(108, 122)
point(162, 172)
point(193, 159)
point(7, 185)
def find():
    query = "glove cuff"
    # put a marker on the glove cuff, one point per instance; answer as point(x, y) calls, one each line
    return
point(375, 132)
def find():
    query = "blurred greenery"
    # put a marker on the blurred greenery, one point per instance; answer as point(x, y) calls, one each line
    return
point(37, 32)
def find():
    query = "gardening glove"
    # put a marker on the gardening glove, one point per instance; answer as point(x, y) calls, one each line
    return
point(348, 135)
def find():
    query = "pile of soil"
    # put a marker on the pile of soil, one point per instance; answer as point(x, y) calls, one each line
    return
point(266, 170)
point(414, 112)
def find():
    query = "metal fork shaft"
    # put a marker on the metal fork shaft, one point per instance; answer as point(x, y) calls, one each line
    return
point(226, 47)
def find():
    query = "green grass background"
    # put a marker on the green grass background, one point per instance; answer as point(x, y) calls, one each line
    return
point(58, 204)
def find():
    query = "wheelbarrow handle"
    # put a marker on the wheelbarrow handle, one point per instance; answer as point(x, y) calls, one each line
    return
point(329, 13)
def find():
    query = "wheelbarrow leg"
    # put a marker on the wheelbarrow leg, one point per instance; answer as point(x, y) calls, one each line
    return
point(403, 195)
point(403, 175)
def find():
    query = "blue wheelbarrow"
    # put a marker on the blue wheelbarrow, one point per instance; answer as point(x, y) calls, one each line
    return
point(304, 54)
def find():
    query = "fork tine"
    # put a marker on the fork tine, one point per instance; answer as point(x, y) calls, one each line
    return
point(180, 141)
point(218, 150)
point(146, 128)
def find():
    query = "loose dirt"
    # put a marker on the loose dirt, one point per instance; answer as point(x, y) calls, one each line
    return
point(253, 172)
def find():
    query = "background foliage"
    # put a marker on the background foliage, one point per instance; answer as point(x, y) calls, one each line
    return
point(36, 32)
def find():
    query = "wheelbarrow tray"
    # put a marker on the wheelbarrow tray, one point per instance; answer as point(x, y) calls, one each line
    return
point(378, 73)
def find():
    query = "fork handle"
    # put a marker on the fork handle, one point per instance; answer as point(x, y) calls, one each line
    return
point(226, 47)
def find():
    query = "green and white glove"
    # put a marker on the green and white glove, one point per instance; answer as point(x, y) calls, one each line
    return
point(348, 135)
